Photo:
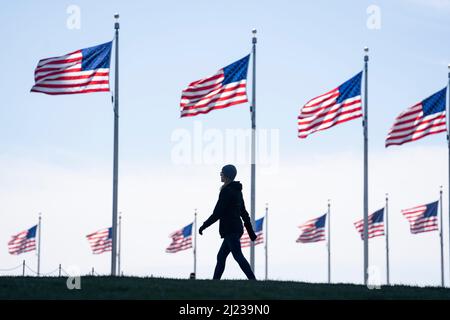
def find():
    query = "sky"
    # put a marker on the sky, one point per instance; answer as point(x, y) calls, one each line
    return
point(56, 151)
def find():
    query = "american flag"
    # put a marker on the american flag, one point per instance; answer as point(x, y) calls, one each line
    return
point(375, 227)
point(327, 110)
point(224, 89)
point(313, 230)
point(420, 120)
point(100, 241)
point(24, 241)
point(422, 218)
point(245, 239)
point(81, 71)
point(181, 239)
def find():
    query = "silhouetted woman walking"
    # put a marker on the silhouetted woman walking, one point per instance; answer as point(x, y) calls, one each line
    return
point(229, 210)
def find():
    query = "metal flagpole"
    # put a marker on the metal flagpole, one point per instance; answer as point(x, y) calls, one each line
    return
point(441, 234)
point(329, 242)
point(119, 254)
point(39, 246)
point(116, 150)
point(366, 185)
point(253, 164)
point(267, 238)
point(387, 238)
point(195, 244)
point(448, 142)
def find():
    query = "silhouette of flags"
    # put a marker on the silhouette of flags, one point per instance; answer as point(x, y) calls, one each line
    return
point(224, 89)
point(181, 239)
point(336, 106)
point(376, 225)
point(100, 241)
point(313, 230)
point(422, 119)
point(422, 218)
point(245, 239)
point(81, 71)
point(24, 241)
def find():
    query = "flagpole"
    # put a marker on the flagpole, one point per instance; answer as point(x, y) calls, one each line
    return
point(195, 244)
point(387, 239)
point(441, 234)
point(267, 238)
point(116, 150)
point(119, 254)
point(253, 151)
point(329, 241)
point(366, 186)
point(448, 143)
point(39, 246)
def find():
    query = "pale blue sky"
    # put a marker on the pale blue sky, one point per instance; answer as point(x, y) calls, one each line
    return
point(305, 48)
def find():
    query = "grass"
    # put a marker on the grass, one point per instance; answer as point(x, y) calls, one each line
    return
point(173, 289)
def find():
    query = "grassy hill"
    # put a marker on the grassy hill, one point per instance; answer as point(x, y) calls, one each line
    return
point(158, 288)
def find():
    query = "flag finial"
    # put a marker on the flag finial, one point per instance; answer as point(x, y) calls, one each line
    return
point(116, 24)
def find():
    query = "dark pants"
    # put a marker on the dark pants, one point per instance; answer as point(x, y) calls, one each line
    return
point(232, 243)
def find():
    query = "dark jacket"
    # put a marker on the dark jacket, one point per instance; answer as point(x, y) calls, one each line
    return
point(230, 208)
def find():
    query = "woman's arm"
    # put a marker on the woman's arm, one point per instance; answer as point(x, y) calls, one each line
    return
point(247, 222)
point(218, 210)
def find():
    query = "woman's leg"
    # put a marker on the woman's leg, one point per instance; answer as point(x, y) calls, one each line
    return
point(234, 243)
point(222, 255)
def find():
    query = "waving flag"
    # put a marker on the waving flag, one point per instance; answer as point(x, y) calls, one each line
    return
point(24, 241)
point(327, 110)
point(422, 119)
point(422, 218)
point(81, 71)
point(181, 239)
point(100, 241)
point(376, 225)
point(313, 230)
point(224, 89)
point(245, 239)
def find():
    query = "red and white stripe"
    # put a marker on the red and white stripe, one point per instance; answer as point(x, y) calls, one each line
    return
point(179, 242)
point(64, 75)
point(246, 242)
point(100, 241)
point(208, 94)
point(417, 223)
point(21, 244)
point(323, 112)
point(411, 125)
point(375, 229)
point(310, 233)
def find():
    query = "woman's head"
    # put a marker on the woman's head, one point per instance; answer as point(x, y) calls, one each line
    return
point(228, 173)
